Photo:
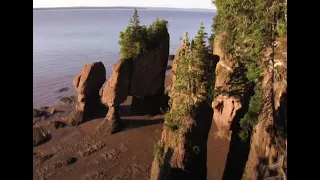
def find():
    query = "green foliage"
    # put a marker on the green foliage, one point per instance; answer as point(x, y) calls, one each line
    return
point(281, 28)
point(210, 87)
point(135, 19)
point(137, 39)
point(158, 151)
point(172, 124)
point(211, 40)
point(254, 72)
point(194, 77)
point(248, 28)
point(170, 102)
point(250, 119)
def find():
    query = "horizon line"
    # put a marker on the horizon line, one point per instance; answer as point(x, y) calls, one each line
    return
point(101, 7)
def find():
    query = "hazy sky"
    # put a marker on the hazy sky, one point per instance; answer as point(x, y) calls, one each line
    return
point(147, 3)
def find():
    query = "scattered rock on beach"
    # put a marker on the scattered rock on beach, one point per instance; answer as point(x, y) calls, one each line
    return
point(39, 158)
point(36, 113)
point(95, 147)
point(60, 163)
point(69, 99)
point(57, 124)
point(62, 89)
point(51, 111)
point(40, 136)
point(44, 108)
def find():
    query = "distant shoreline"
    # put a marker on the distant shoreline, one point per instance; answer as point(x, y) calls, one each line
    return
point(126, 7)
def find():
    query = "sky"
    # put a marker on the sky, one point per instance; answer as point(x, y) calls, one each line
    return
point(137, 3)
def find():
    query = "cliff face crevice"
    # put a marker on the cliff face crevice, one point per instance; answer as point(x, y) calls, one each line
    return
point(226, 105)
point(269, 141)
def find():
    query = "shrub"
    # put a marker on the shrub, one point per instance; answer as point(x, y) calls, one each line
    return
point(158, 151)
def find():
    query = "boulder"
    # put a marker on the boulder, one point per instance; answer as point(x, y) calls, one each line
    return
point(51, 110)
point(36, 113)
point(40, 136)
point(44, 108)
point(62, 90)
point(69, 100)
point(57, 124)
point(87, 84)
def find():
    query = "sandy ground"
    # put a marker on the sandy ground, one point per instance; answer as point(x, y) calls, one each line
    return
point(124, 155)
point(78, 153)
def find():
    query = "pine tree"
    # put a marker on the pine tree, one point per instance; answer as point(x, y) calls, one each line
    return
point(132, 41)
point(200, 42)
point(136, 38)
point(199, 62)
point(135, 19)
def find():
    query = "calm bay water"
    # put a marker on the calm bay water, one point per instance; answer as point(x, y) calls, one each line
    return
point(66, 39)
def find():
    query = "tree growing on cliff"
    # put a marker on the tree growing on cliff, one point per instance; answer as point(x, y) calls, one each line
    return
point(247, 26)
point(135, 22)
point(186, 128)
point(137, 39)
point(133, 40)
point(205, 73)
point(249, 30)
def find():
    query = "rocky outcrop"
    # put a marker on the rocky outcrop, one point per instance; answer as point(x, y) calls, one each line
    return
point(69, 100)
point(182, 151)
point(142, 78)
point(148, 78)
point(56, 124)
point(116, 89)
point(44, 112)
point(87, 84)
point(40, 136)
point(114, 93)
point(268, 151)
point(225, 109)
point(174, 69)
point(36, 113)
point(225, 105)
point(149, 71)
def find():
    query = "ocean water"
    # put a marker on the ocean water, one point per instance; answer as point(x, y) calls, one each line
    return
point(66, 39)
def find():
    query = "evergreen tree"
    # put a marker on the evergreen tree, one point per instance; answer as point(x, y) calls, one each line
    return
point(201, 76)
point(133, 40)
point(136, 38)
point(200, 42)
point(135, 19)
